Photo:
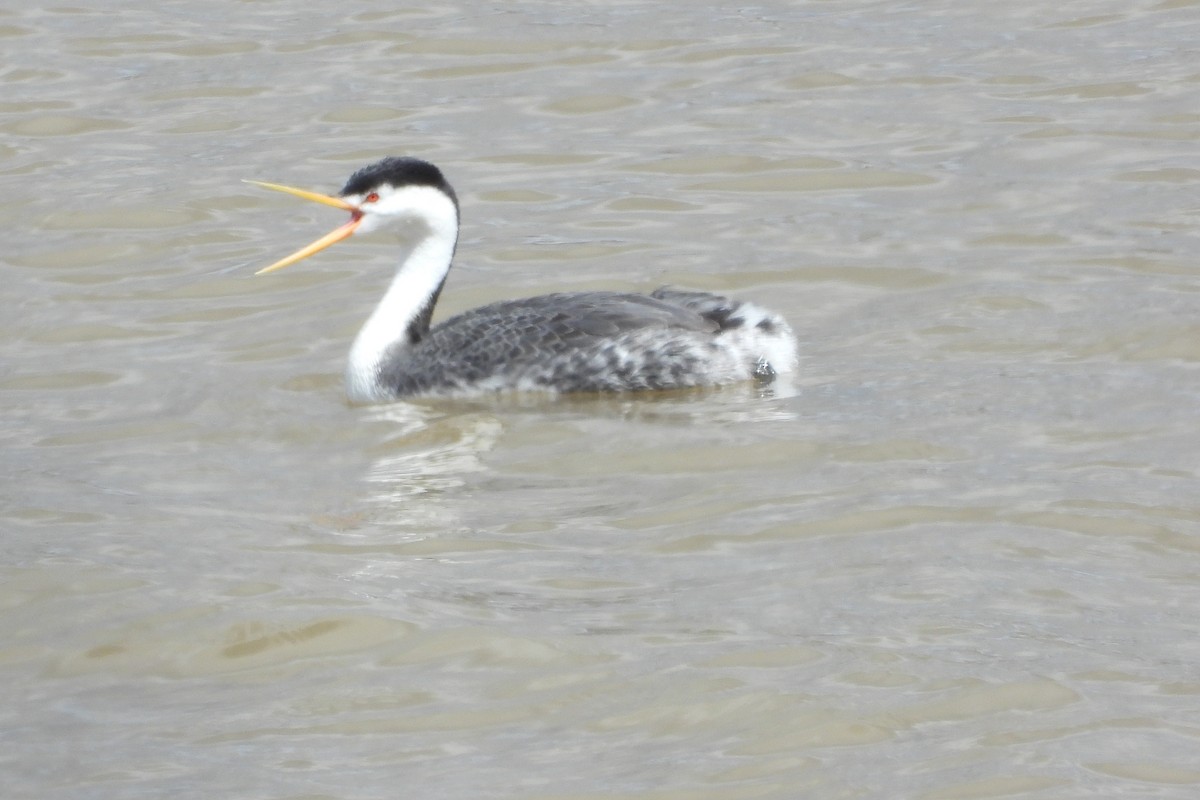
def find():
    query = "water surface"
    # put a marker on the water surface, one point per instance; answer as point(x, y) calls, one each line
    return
point(956, 557)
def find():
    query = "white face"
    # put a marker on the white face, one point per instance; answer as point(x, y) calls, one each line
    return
point(412, 212)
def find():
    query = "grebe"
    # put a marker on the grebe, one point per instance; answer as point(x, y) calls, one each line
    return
point(567, 342)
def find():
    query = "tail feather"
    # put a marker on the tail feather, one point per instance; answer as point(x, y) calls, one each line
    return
point(713, 307)
point(763, 338)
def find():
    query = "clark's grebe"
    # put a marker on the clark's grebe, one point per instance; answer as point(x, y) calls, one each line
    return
point(567, 342)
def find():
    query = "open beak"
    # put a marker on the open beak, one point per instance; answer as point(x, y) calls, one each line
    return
point(333, 237)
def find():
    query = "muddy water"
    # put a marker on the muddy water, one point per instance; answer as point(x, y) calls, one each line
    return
point(956, 557)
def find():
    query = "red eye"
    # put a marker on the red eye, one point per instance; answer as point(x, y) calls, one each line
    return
point(373, 197)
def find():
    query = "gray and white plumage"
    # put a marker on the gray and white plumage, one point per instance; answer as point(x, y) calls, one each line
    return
point(567, 342)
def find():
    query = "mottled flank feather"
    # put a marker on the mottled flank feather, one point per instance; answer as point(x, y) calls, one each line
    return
point(594, 342)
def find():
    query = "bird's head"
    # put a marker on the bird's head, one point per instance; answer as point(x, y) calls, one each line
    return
point(406, 194)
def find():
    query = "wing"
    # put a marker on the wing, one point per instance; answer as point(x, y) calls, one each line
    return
point(512, 336)
point(554, 323)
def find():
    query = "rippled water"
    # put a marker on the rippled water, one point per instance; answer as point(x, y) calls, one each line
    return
point(958, 557)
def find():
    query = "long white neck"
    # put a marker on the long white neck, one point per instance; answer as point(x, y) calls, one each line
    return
point(402, 316)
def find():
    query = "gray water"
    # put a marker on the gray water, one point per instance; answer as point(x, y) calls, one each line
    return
point(957, 557)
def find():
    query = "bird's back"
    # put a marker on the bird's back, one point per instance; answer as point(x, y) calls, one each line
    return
point(581, 342)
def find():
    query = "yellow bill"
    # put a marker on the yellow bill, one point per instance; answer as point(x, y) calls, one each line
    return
point(333, 237)
point(336, 202)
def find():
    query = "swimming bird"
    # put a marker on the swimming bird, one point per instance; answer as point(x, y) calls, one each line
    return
point(566, 342)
